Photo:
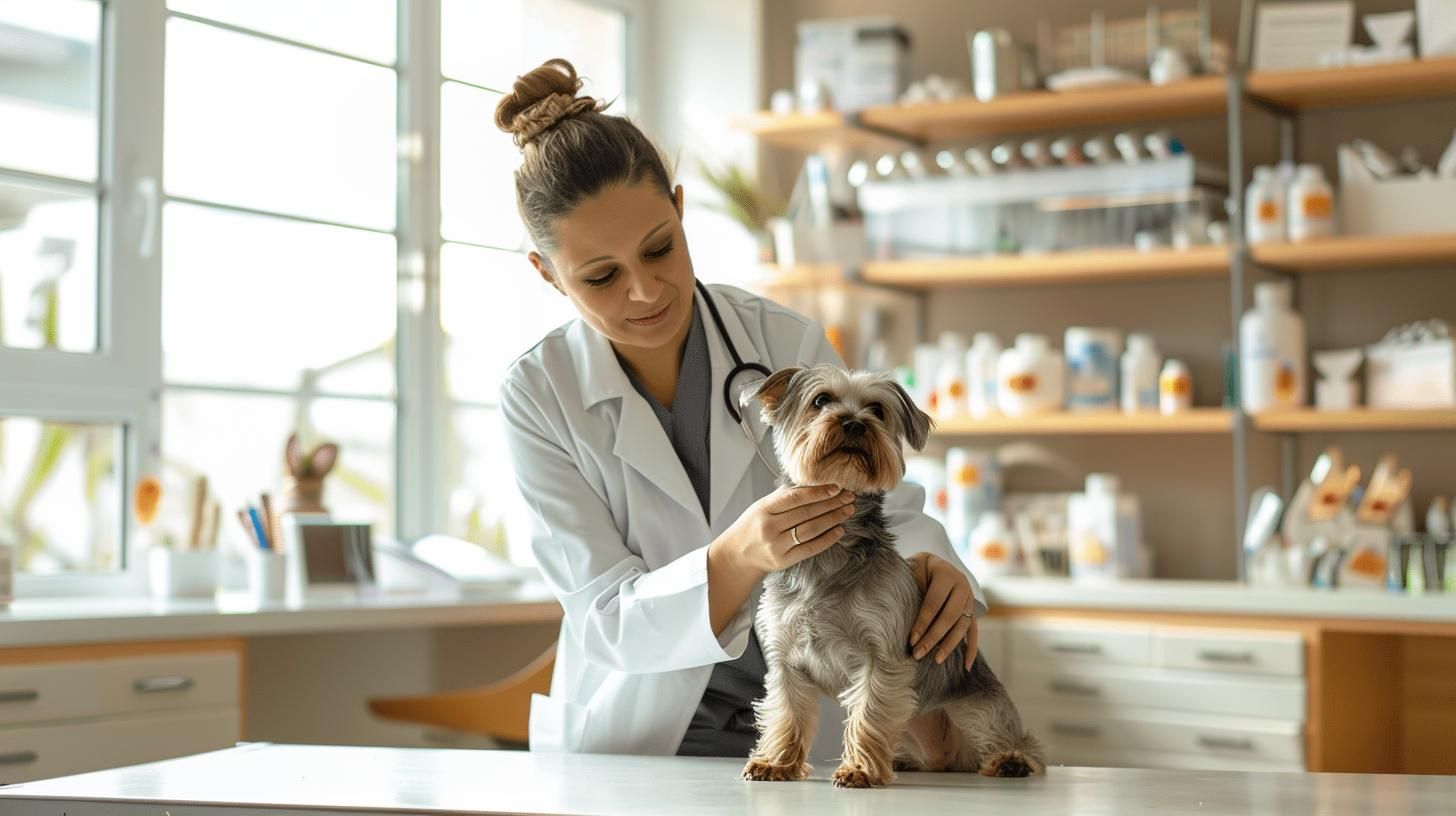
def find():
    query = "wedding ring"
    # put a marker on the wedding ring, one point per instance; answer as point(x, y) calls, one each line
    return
point(794, 531)
point(971, 614)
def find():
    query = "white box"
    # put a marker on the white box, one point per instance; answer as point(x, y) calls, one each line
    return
point(1416, 376)
point(861, 60)
point(1400, 206)
point(1436, 27)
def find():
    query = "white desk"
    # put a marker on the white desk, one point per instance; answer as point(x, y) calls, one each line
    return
point(295, 780)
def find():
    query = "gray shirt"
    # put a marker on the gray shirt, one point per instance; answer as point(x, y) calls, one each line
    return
point(723, 723)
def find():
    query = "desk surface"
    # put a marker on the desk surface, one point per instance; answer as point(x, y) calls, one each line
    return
point(293, 779)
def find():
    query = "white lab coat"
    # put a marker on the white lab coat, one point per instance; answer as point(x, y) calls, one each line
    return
point(620, 536)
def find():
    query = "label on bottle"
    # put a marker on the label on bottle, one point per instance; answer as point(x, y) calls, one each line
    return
point(1317, 205)
point(968, 476)
point(993, 552)
point(1022, 383)
point(1268, 211)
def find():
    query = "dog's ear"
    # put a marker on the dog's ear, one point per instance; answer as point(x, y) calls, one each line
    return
point(769, 392)
point(915, 424)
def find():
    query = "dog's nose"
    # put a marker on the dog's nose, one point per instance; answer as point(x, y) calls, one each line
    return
point(854, 428)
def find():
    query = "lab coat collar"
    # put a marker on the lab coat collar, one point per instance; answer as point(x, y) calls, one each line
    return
point(640, 440)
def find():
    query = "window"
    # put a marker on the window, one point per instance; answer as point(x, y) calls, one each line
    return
point(299, 257)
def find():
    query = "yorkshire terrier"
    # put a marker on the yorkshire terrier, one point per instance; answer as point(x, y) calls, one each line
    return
point(840, 621)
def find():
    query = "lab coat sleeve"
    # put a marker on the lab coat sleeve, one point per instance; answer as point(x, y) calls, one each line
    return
point(627, 618)
point(904, 508)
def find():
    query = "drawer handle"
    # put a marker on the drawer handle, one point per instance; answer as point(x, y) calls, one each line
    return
point(157, 685)
point(19, 696)
point(19, 758)
point(1070, 730)
point(1226, 743)
point(1079, 689)
point(1216, 656)
point(1077, 648)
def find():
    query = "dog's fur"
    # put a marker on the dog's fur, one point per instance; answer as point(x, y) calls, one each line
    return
point(840, 621)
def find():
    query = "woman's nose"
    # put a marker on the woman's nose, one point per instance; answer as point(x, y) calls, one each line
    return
point(645, 287)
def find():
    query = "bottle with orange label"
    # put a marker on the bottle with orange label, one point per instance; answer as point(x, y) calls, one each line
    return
point(1175, 388)
point(951, 396)
point(994, 549)
point(973, 488)
point(1104, 532)
point(1264, 208)
point(1271, 351)
point(1030, 377)
point(1311, 205)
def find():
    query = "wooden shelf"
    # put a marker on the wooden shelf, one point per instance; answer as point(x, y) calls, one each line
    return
point(1359, 252)
point(1048, 110)
point(808, 132)
point(1310, 421)
point(1090, 266)
point(1364, 85)
point(1196, 421)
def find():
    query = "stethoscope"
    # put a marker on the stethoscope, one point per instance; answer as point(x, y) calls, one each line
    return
point(739, 367)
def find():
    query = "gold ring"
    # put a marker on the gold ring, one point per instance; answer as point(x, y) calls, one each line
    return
point(971, 614)
point(794, 531)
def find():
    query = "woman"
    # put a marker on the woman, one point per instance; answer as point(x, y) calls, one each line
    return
point(654, 519)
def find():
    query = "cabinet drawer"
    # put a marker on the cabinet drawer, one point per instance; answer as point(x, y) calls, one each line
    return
point(169, 682)
point(1204, 692)
point(40, 752)
point(1056, 643)
point(1273, 653)
point(50, 691)
point(1245, 740)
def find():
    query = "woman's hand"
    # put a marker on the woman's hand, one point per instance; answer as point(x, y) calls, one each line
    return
point(947, 613)
point(789, 525)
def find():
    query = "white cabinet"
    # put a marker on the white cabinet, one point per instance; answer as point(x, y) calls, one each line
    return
point(1160, 696)
point(85, 708)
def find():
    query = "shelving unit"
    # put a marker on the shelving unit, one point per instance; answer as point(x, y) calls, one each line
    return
point(1090, 266)
point(808, 132)
point(1282, 94)
point(1358, 252)
point(1360, 420)
point(1196, 421)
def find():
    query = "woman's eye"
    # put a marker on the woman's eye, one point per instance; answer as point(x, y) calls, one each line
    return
point(878, 410)
point(603, 280)
point(660, 251)
point(822, 400)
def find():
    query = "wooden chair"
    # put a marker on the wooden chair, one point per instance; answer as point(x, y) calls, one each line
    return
point(500, 710)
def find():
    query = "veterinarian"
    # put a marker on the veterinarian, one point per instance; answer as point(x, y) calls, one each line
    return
point(655, 518)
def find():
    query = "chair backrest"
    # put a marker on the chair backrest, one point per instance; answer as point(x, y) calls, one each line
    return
point(500, 710)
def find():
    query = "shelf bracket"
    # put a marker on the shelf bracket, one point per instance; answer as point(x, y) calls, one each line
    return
point(856, 120)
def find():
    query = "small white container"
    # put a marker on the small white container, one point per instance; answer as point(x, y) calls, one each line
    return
point(183, 573)
point(973, 487)
point(1140, 366)
point(1420, 375)
point(1264, 208)
point(981, 374)
point(1092, 356)
point(1271, 347)
point(267, 574)
point(1030, 377)
point(993, 547)
point(1104, 532)
point(929, 473)
point(950, 379)
point(1175, 388)
point(926, 362)
point(1311, 205)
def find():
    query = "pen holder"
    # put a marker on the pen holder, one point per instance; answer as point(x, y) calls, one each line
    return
point(183, 573)
point(267, 574)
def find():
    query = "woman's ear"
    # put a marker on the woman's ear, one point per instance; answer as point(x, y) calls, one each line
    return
point(543, 268)
point(677, 200)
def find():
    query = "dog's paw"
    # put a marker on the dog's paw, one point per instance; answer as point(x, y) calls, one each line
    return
point(1012, 764)
point(848, 776)
point(759, 771)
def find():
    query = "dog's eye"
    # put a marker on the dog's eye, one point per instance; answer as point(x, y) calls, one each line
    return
point(878, 410)
point(822, 400)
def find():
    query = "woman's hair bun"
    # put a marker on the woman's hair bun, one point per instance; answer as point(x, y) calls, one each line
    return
point(540, 100)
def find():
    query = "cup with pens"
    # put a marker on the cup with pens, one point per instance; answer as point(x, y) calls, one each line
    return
point(266, 561)
point(179, 566)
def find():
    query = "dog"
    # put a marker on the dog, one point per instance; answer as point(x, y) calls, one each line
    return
point(839, 622)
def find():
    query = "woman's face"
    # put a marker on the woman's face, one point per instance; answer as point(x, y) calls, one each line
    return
point(622, 259)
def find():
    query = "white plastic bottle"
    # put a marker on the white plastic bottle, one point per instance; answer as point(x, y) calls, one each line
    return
point(981, 374)
point(1104, 532)
point(1271, 342)
point(1030, 377)
point(1264, 208)
point(973, 487)
point(926, 363)
point(1311, 205)
point(950, 380)
point(1175, 388)
point(1092, 368)
point(1140, 366)
point(994, 549)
